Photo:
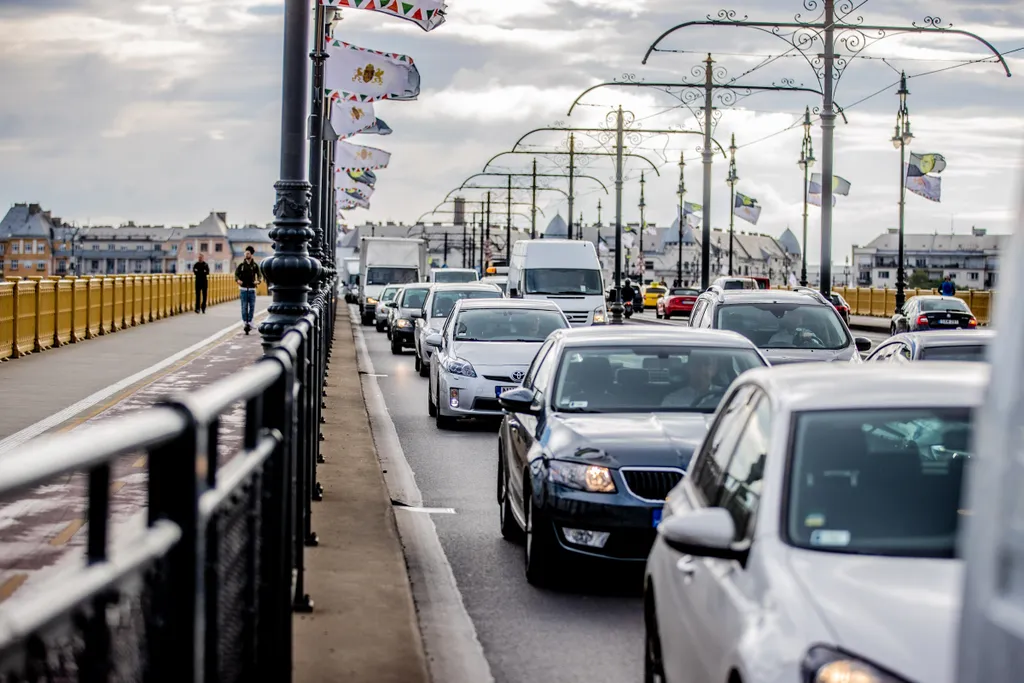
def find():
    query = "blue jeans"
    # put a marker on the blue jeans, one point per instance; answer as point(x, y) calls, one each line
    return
point(248, 298)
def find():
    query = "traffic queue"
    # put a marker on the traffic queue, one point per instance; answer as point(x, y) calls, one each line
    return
point(794, 506)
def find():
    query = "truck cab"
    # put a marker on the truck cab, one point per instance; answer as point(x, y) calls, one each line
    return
point(387, 261)
point(566, 272)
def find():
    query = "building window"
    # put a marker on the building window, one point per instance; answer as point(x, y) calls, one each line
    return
point(141, 247)
point(919, 263)
point(62, 267)
point(204, 246)
point(1, 266)
point(974, 276)
point(14, 265)
point(14, 247)
point(218, 247)
point(218, 266)
point(40, 247)
point(190, 247)
point(95, 266)
point(952, 276)
point(883, 274)
point(156, 247)
point(41, 265)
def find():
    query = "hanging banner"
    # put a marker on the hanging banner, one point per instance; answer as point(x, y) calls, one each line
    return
point(350, 157)
point(353, 197)
point(356, 74)
point(747, 208)
point(427, 14)
point(350, 118)
point(923, 164)
point(345, 183)
point(928, 186)
point(839, 185)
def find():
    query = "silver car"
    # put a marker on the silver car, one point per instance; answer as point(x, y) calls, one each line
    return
point(382, 312)
point(484, 349)
point(814, 535)
point(440, 301)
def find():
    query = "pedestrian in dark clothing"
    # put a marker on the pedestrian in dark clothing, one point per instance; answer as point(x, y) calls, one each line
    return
point(947, 288)
point(248, 277)
point(202, 272)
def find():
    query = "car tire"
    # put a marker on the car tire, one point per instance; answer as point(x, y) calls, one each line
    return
point(540, 550)
point(424, 369)
point(668, 316)
point(379, 326)
point(431, 408)
point(657, 315)
point(416, 361)
point(443, 422)
point(654, 667)
point(510, 530)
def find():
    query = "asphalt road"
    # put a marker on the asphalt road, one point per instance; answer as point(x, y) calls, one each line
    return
point(590, 632)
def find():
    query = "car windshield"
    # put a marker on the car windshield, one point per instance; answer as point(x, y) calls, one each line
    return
point(505, 324)
point(578, 281)
point(648, 378)
point(934, 305)
point(502, 283)
point(445, 301)
point(684, 292)
point(389, 294)
point(655, 290)
point(878, 482)
point(737, 284)
point(785, 326)
point(414, 298)
point(955, 353)
point(386, 276)
point(454, 276)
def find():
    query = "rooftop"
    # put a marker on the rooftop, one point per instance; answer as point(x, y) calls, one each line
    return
point(649, 335)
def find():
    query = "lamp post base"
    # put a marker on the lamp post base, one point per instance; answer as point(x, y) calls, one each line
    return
point(616, 310)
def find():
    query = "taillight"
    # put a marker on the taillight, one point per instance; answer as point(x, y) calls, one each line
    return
point(922, 320)
point(973, 322)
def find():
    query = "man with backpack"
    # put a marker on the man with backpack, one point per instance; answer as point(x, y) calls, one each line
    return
point(248, 277)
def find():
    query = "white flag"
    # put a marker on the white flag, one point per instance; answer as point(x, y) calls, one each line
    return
point(349, 118)
point(349, 157)
point(356, 198)
point(427, 14)
point(793, 282)
point(747, 208)
point(349, 185)
point(815, 199)
point(359, 75)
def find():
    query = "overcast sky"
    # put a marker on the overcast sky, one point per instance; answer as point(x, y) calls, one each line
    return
point(160, 112)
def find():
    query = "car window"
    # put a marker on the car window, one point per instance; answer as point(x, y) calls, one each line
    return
point(935, 305)
point(776, 325)
point(903, 353)
point(544, 371)
point(709, 471)
point(741, 490)
point(698, 310)
point(414, 298)
point(961, 353)
point(388, 294)
point(883, 353)
point(507, 325)
point(706, 317)
point(442, 303)
point(532, 372)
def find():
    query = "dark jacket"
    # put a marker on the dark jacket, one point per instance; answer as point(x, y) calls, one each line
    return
point(201, 270)
point(947, 288)
point(248, 274)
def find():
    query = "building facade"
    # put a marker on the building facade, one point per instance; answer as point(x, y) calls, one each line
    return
point(970, 260)
point(26, 235)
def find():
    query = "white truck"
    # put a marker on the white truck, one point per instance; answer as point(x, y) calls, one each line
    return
point(566, 272)
point(350, 281)
point(387, 261)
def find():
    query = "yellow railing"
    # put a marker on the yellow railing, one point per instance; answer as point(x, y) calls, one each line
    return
point(38, 313)
point(881, 303)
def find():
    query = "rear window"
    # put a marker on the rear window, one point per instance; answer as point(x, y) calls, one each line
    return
point(444, 302)
point(655, 290)
point(507, 325)
point(786, 326)
point(454, 276)
point(955, 353)
point(684, 292)
point(936, 305)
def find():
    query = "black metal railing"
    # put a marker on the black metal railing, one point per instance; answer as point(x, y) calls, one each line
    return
point(205, 591)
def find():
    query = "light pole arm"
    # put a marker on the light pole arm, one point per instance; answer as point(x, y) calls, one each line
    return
point(600, 154)
point(653, 131)
point(502, 187)
point(527, 175)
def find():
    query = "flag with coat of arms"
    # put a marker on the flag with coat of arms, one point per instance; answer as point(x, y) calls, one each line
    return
point(356, 74)
point(350, 157)
point(427, 14)
point(351, 118)
point(917, 178)
point(747, 208)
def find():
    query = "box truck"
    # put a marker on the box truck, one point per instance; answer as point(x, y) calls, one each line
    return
point(385, 261)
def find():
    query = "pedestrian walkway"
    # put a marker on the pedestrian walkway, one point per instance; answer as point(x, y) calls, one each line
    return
point(80, 384)
point(43, 391)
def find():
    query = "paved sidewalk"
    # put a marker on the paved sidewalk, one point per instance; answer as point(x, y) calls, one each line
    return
point(364, 626)
point(38, 386)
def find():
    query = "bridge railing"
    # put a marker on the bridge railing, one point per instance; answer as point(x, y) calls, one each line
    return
point(204, 590)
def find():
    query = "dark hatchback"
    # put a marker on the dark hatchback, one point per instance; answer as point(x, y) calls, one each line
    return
point(601, 429)
point(408, 307)
point(933, 313)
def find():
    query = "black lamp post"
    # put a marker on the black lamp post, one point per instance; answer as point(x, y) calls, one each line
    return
point(806, 163)
point(682, 214)
point(643, 226)
point(731, 181)
point(901, 139)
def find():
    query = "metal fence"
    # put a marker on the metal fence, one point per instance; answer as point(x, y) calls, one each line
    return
point(205, 592)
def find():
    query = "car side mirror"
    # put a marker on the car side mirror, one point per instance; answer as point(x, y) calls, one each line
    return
point(863, 344)
point(513, 293)
point(519, 400)
point(415, 315)
point(707, 532)
point(433, 340)
point(391, 304)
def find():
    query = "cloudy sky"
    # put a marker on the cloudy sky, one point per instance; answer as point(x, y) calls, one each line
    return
point(160, 112)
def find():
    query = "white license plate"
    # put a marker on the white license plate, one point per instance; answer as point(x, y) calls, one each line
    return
point(947, 322)
point(498, 391)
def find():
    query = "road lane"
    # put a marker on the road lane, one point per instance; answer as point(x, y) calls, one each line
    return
point(591, 634)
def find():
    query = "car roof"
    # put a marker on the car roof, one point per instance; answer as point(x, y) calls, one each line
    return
point(760, 296)
point(490, 278)
point(650, 335)
point(417, 285)
point(526, 304)
point(463, 287)
point(460, 270)
point(838, 386)
point(936, 296)
point(945, 338)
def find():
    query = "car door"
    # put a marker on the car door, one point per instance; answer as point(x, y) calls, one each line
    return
point(420, 322)
point(684, 597)
point(521, 428)
point(730, 594)
point(435, 358)
point(882, 353)
point(697, 312)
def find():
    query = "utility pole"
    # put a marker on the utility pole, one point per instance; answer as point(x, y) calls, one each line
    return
point(828, 128)
point(508, 224)
point(643, 225)
point(464, 244)
point(572, 174)
point(806, 163)
point(682, 216)
point(484, 262)
point(708, 159)
point(445, 247)
point(533, 217)
point(731, 180)
point(599, 213)
point(901, 139)
point(617, 305)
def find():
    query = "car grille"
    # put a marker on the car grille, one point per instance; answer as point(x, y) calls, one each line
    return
point(577, 317)
point(501, 378)
point(652, 485)
point(486, 404)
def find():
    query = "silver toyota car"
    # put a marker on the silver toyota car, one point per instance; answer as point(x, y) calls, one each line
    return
point(484, 349)
point(440, 301)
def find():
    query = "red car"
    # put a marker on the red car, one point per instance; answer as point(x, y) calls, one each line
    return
point(844, 308)
point(678, 301)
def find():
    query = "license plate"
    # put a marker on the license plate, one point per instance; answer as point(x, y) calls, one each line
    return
point(656, 517)
point(947, 322)
point(498, 391)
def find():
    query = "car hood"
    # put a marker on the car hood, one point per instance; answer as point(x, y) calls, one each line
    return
point(787, 356)
point(629, 439)
point(900, 613)
point(497, 354)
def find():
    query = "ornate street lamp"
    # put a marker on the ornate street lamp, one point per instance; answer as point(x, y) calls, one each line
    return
point(731, 182)
point(901, 139)
point(643, 225)
point(806, 163)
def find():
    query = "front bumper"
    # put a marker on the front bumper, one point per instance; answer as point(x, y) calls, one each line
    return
point(628, 520)
point(369, 310)
point(475, 396)
point(381, 315)
point(402, 335)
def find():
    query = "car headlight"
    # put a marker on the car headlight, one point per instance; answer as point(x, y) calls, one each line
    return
point(825, 665)
point(371, 300)
point(402, 322)
point(581, 476)
point(600, 315)
point(457, 366)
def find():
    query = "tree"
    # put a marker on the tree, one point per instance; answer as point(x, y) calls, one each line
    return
point(919, 280)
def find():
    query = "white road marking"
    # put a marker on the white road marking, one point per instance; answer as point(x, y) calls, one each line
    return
point(454, 652)
point(46, 424)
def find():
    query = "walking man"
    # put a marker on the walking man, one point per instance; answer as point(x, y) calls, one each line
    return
point(247, 275)
point(202, 272)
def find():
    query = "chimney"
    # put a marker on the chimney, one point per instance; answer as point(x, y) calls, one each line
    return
point(33, 209)
point(223, 215)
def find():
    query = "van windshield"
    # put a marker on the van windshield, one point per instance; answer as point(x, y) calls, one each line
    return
point(566, 281)
point(454, 276)
point(387, 276)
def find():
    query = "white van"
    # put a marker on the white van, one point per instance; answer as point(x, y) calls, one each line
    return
point(564, 271)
